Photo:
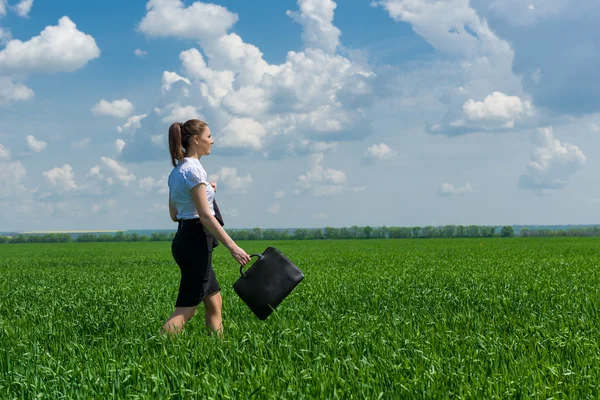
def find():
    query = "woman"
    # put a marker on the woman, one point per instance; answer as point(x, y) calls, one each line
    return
point(191, 204)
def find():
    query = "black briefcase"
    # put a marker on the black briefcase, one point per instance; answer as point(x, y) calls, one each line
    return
point(267, 282)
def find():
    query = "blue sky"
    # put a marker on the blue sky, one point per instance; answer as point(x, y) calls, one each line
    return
point(390, 112)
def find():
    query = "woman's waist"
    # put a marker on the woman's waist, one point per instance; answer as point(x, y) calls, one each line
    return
point(192, 225)
point(192, 231)
point(189, 222)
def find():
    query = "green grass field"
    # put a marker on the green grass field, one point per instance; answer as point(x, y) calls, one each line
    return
point(484, 319)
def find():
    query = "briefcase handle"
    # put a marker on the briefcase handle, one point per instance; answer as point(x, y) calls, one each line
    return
point(260, 257)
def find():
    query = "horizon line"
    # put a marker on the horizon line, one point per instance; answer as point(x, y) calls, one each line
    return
point(29, 232)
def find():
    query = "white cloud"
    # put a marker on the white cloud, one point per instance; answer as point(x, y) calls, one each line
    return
point(451, 26)
point(316, 17)
point(327, 190)
point(117, 170)
point(313, 96)
point(520, 13)
point(496, 112)
point(536, 77)
point(302, 147)
point(231, 179)
point(152, 186)
point(5, 35)
point(181, 114)
point(4, 153)
point(595, 128)
point(379, 151)
point(117, 108)
point(552, 163)
point(11, 91)
point(132, 125)
point(244, 133)
point(24, 7)
point(158, 140)
point(214, 84)
point(230, 52)
point(320, 181)
point(567, 58)
point(104, 207)
point(119, 145)
point(169, 78)
point(82, 143)
point(498, 107)
point(140, 53)
point(479, 63)
point(26, 208)
point(3, 4)
point(247, 101)
point(198, 21)
point(448, 189)
point(321, 147)
point(280, 194)
point(308, 82)
point(107, 176)
point(60, 48)
point(35, 145)
point(274, 208)
point(12, 176)
point(156, 208)
point(61, 179)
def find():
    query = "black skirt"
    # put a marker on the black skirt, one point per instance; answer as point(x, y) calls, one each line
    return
point(192, 249)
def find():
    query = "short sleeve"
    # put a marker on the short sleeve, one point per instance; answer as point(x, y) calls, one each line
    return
point(196, 176)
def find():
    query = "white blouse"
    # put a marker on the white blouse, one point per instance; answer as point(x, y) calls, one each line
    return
point(182, 179)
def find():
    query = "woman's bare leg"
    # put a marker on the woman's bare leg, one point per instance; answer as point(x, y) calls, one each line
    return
point(180, 317)
point(213, 304)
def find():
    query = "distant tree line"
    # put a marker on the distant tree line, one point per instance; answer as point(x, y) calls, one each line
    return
point(88, 237)
point(354, 232)
point(573, 231)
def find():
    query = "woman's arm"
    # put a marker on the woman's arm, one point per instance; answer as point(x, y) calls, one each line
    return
point(172, 210)
point(210, 222)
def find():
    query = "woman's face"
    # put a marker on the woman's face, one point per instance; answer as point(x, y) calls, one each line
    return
point(204, 142)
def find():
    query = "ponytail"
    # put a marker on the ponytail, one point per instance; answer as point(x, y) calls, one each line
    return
point(175, 143)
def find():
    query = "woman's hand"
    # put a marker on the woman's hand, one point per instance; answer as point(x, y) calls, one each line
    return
point(239, 254)
point(214, 186)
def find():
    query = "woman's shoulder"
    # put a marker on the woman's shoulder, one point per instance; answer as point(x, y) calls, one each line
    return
point(201, 167)
point(197, 166)
point(194, 172)
point(190, 163)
